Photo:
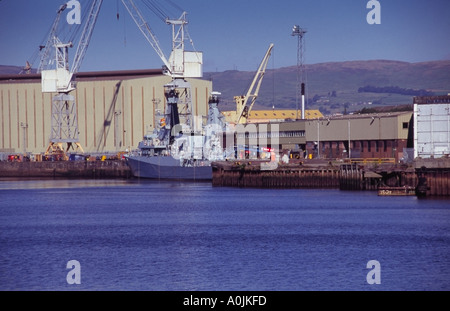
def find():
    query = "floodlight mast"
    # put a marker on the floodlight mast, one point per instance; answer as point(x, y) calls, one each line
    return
point(300, 33)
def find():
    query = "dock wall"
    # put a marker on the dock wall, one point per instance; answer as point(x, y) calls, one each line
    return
point(248, 174)
point(287, 177)
point(430, 181)
point(72, 169)
point(430, 178)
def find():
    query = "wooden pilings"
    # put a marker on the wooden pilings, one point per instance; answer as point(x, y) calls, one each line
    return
point(350, 177)
point(433, 182)
point(250, 175)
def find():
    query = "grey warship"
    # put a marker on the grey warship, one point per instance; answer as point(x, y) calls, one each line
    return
point(176, 151)
point(181, 146)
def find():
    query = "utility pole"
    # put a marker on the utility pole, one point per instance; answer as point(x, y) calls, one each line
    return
point(299, 33)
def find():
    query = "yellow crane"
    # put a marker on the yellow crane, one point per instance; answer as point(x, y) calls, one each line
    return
point(244, 103)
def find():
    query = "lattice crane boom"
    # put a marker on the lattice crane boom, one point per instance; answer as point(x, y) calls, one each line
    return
point(45, 50)
point(243, 107)
point(145, 29)
point(60, 79)
point(86, 35)
point(181, 64)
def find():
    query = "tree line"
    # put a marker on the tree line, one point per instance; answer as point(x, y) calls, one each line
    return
point(394, 90)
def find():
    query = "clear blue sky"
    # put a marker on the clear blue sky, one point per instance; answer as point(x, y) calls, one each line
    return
point(235, 34)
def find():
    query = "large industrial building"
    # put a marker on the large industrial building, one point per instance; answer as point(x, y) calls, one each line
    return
point(115, 109)
point(379, 135)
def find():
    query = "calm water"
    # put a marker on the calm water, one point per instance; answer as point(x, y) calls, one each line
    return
point(130, 235)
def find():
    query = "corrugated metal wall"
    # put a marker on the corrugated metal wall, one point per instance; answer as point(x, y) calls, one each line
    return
point(432, 130)
point(365, 127)
point(113, 115)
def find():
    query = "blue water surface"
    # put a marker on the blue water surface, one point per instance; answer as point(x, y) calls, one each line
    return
point(172, 236)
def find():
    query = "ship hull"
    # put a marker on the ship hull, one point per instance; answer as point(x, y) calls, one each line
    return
point(166, 167)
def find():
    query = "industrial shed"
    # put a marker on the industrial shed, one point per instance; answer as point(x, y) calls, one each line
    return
point(115, 109)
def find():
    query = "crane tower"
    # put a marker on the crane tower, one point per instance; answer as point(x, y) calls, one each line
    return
point(58, 77)
point(181, 64)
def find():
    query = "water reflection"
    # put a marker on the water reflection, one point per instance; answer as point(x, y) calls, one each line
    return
point(50, 183)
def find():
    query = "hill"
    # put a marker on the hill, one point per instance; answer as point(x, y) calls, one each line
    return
point(6, 70)
point(334, 87)
point(338, 87)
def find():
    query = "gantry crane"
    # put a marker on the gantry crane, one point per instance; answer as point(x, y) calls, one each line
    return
point(244, 103)
point(60, 80)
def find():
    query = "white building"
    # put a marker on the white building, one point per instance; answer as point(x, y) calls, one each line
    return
point(431, 126)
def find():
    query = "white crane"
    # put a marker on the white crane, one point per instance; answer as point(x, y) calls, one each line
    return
point(64, 125)
point(180, 65)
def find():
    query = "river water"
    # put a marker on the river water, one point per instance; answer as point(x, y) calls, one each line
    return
point(173, 236)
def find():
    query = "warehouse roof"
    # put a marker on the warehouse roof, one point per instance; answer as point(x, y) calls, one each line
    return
point(85, 76)
point(265, 115)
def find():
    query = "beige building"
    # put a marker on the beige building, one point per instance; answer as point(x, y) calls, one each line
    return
point(379, 135)
point(115, 109)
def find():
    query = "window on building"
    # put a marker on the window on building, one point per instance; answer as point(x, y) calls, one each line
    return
point(405, 125)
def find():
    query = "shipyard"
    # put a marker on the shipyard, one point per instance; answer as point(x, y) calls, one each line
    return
point(120, 108)
point(243, 147)
point(170, 123)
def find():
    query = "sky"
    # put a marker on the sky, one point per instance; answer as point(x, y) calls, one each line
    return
point(235, 34)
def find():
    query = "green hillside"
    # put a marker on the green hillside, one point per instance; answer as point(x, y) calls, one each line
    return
point(333, 87)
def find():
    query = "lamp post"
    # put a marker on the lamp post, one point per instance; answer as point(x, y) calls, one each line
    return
point(318, 139)
point(24, 126)
point(349, 141)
